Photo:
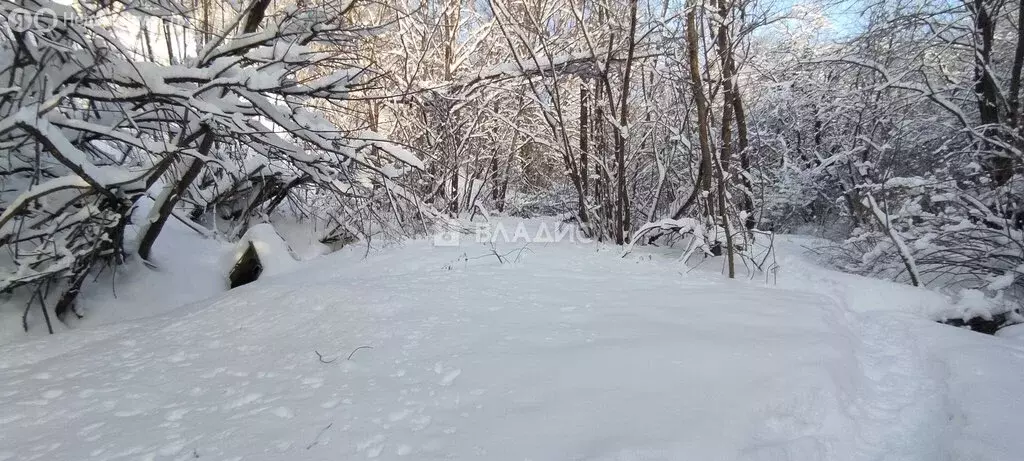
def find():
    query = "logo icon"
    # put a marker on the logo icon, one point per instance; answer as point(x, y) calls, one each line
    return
point(22, 20)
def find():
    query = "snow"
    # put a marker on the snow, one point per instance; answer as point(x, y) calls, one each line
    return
point(584, 63)
point(1013, 332)
point(178, 278)
point(907, 182)
point(398, 152)
point(571, 352)
point(67, 153)
point(1002, 282)
point(275, 255)
point(39, 190)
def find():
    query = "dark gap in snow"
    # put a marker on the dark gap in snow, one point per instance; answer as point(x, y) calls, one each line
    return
point(247, 269)
point(982, 325)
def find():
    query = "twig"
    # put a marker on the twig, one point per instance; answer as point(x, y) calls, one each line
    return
point(356, 349)
point(503, 257)
point(316, 441)
point(321, 357)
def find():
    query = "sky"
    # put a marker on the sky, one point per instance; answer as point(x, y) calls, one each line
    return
point(844, 16)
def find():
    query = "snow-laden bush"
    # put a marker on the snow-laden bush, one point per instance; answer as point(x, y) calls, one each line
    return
point(931, 230)
point(222, 133)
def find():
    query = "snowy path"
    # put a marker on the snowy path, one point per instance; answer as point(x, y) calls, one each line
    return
point(902, 410)
point(572, 353)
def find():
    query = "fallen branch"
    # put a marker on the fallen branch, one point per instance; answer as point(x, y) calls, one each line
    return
point(316, 441)
point(356, 349)
point(321, 358)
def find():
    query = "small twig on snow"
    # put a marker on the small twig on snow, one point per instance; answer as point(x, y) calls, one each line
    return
point(356, 349)
point(321, 357)
point(316, 441)
point(504, 257)
point(323, 360)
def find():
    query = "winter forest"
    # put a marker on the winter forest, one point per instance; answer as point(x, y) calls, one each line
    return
point(783, 209)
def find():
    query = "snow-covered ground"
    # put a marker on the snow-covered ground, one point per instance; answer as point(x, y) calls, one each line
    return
point(566, 352)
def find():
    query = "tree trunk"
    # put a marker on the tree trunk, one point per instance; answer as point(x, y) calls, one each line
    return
point(168, 41)
point(703, 184)
point(741, 132)
point(725, 152)
point(622, 212)
point(584, 146)
point(167, 200)
point(1018, 64)
point(1000, 165)
point(453, 204)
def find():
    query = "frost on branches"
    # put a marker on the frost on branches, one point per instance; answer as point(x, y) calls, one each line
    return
point(710, 125)
point(219, 128)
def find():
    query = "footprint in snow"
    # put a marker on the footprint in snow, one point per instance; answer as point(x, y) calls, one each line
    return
point(172, 448)
point(399, 415)
point(450, 377)
point(176, 415)
point(283, 412)
point(330, 404)
point(419, 423)
point(177, 357)
point(313, 383)
point(372, 446)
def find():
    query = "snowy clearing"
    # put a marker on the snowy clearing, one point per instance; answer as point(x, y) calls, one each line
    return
point(570, 353)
